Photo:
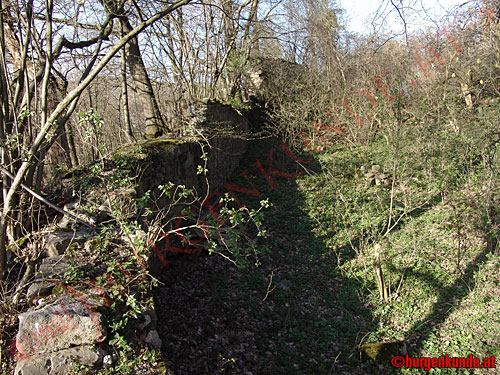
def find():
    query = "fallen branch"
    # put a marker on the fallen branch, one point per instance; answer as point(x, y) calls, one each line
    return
point(50, 204)
point(269, 290)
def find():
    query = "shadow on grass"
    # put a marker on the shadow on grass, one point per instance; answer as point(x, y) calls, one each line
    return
point(450, 296)
point(351, 249)
point(294, 314)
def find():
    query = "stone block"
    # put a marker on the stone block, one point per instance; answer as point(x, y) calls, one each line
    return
point(59, 241)
point(49, 269)
point(59, 363)
point(62, 324)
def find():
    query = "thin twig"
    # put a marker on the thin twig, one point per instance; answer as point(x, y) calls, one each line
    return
point(402, 19)
point(269, 290)
point(334, 363)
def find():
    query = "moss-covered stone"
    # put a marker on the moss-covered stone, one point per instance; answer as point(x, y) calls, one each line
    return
point(161, 368)
point(382, 351)
point(130, 179)
point(141, 149)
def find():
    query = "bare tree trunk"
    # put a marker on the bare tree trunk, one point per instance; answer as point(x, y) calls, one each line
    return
point(176, 58)
point(70, 100)
point(62, 152)
point(152, 117)
point(246, 45)
point(71, 144)
point(4, 114)
point(124, 97)
point(228, 16)
point(229, 39)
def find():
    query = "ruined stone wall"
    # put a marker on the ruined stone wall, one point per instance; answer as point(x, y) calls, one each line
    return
point(67, 324)
point(216, 127)
point(272, 80)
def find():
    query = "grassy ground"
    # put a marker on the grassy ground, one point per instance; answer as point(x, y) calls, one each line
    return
point(314, 300)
